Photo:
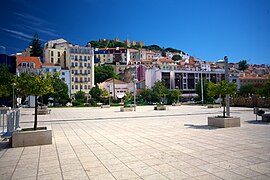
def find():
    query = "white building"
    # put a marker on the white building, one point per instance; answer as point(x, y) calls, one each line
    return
point(117, 88)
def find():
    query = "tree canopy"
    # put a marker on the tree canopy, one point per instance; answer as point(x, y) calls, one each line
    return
point(242, 65)
point(104, 72)
point(176, 57)
point(222, 88)
point(6, 80)
point(36, 49)
point(60, 90)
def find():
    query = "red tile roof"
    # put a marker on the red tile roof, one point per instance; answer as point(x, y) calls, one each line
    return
point(35, 60)
point(166, 60)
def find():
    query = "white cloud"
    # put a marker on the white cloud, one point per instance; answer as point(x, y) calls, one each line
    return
point(2, 47)
point(17, 33)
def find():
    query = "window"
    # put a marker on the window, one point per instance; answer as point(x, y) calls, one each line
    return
point(76, 71)
point(88, 79)
point(63, 73)
point(85, 71)
point(58, 54)
point(76, 79)
point(85, 59)
point(52, 60)
point(58, 60)
point(76, 64)
point(72, 87)
point(81, 79)
point(76, 58)
point(80, 71)
point(51, 53)
point(31, 65)
point(88, 71)
point(72, 72)
point(63, 79)
point(88, 57)
point(80, 64)
point(76, 86)
point(88, 64)
point(85, 79)
point(85, 86)
point(85, 64)
point(89, 87)
point(72, 79)
point(80, 57)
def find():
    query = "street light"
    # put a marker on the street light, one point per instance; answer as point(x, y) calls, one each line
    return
point(13, 101)
point(135, 89)
point(202, 87)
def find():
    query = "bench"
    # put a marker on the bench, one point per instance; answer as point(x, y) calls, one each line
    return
point(266, 117)
point(43, 110)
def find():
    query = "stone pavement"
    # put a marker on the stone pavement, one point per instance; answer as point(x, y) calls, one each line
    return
point(95, 143)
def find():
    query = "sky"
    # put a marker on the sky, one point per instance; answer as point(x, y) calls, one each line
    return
point(206, 29)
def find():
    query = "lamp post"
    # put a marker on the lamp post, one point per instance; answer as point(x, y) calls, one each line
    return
point(227, 79)
point(13, 99)
point(135, 89)
point(202, 87)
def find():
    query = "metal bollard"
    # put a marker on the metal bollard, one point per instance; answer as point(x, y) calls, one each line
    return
point(17, 123)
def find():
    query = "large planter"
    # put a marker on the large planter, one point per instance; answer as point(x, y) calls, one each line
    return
point(126, 109)
point(31, 138)
point(160, 108)
point(224, 122)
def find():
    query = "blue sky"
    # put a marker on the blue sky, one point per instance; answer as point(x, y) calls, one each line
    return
point(207, 29)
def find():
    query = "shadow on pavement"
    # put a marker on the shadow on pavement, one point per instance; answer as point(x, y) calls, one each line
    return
point(4, 144)
point(201, 127)
point(258, 122)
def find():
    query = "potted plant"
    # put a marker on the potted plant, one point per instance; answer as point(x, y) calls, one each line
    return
point(35, 85)
point(222, 89)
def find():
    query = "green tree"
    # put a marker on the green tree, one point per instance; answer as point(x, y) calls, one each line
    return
point(95, 93)
point(60, 90)
point(205, 89)
point(36, 49)
point(246, 90)
point(176, 57)
point(242, 65)
point(160, 91)
point(128, 97)
point(173, 96)
point(147, 95)
point(36, 85)
point(222, 88)
point(6, 80)
point(80, 96)
point(163, 53)
point(104, 72)
point(265, 90)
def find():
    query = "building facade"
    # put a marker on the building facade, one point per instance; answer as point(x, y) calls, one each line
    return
point(78, 60)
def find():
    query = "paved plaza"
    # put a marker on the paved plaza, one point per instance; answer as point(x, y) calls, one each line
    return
point(95, 143)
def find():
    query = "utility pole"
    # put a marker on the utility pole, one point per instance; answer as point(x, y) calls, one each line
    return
point(227, 79)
